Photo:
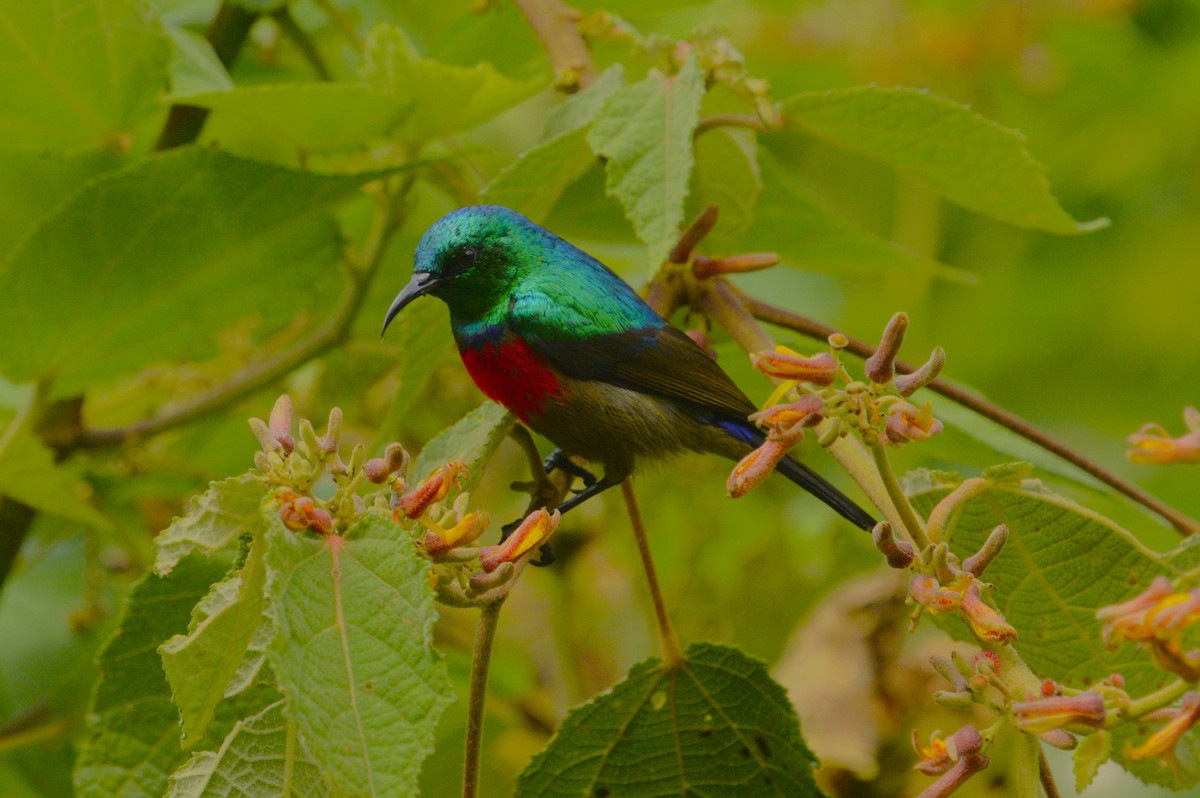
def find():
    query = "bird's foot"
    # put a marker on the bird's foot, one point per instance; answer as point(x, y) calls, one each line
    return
point(562, 461)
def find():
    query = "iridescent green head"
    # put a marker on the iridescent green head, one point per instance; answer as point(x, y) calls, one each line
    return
point(471, 259)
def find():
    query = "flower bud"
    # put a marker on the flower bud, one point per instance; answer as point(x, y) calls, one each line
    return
point(465, 531)
point(754, 468)
point(880, 367)
point(483, 581)
point(263, 433)
point(899, 553)
point(333, 432)
point(908, 384)
point(986, 622)
point(906, 423)
point(980, 560)
point(433, 489)
point(704, 267)
point(1043, 714)
point(701, 226)
point(280, 422)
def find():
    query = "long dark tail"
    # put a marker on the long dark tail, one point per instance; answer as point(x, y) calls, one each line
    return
point(818, 486)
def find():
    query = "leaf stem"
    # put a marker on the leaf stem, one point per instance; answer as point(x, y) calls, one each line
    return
point(672, 653)
point(304, 43)
point(780, 317)
point(554, 24)
point(912, 522)
point(481, 660)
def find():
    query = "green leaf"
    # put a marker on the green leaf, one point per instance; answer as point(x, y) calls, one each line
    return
point(311, 117)
point(212, 520)
point(645, 132)
point(441, 99)
point(33, 185)
point(187, 242)
point(726, 175)
point(806, 230)
point(195, 67)
point(1055, 571)
point(132, 743)
point(353, 652)
point(970, 160)
point(533, 183)
point(473, 439)
point(262, 755)
point(201, 664)
point(715, 725)
point(1093, 751)
point(78, 74)
point(29, 474)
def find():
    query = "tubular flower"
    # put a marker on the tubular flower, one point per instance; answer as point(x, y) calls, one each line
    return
point(787, 422)
point(754, 468)
point(1152, 445)
point(907, 423)
point(1129, 620)
point(469, 527)
point(1162, 743)
point(300, 512)
point(1043, 714)
point(935, 760)
point(926, 591)
point(786, 364)
point(962, 594)
point(986, 622)
point(433, 489)
point(532, 532)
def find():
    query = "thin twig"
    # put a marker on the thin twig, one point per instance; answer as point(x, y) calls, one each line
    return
point(554, 24)
point(1047, 777)
point(813, 329)
point(261, 374)
point(672, 653)
point(308, 48)
point(481, 660)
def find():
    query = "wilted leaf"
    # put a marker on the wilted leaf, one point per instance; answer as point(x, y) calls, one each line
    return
point(186, 242)
point(78, 74)
point(645, 132)
point(133, 727)
point(353, 654)
point(262, 756)
point(971, 160)
point(715, 725)
point(472, 439)
point(212, 520)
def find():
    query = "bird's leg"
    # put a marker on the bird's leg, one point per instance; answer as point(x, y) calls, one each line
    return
point(562, 461)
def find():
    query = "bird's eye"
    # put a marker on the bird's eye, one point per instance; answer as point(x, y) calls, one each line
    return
point(464, 257)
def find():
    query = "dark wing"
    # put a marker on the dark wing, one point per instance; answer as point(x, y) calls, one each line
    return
point(658, 360)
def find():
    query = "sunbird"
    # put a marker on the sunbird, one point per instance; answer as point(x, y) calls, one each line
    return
point(570, 348)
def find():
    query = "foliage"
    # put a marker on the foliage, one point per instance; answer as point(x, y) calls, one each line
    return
point(204, 205)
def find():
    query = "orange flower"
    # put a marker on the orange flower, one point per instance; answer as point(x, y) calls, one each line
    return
point(1162, 743)
point(532, 532)
point(907, 423)
point(754, 468)
point(787, 422)
point(433, 489)
point(786, 364)
point(986, 622)
point(1152, 445)
point(469, 527)
point(1043, 714)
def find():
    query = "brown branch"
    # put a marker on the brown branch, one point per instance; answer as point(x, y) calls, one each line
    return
point(814, 329)
point(672, 653)
point(554, 24)
point(227, 33)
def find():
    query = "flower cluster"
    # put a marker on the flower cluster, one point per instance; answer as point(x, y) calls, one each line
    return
point(1157, 618)
point(443, 529)
point(807, 398)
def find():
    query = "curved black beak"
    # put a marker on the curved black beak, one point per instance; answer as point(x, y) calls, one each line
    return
point(420, 284)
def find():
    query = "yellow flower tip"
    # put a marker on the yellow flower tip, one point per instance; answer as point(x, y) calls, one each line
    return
point(534, 530)
point(1054, 712)
point(907, 423)
point(1152, 445)
point(470, 527)
point(820, 369)
point(1158, 612)
point(1162, 743)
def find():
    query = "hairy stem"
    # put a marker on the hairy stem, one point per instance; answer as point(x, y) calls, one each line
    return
point(1047, 777)
point(672, 653)
point(1164, 696)
point(259, 375)
point(481, 660)
point(771, 314)
point(554, 24)
point(912, 522)
point(227, 33)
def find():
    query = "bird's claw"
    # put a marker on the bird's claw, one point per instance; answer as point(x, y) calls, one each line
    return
point(546, 556)
point(562, 461)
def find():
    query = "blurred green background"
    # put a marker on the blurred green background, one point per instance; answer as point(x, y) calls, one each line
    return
point(1087, 337)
